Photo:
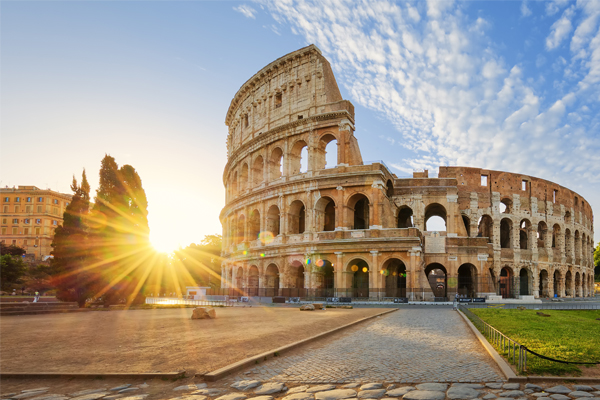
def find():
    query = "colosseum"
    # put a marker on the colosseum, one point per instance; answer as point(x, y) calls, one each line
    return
point(295, 225)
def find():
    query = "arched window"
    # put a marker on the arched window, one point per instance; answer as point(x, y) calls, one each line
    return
point(394, 271)
point(276, 164)
point(358, 206)
point(325, 214)
point(244, 178)
point(326, 152)
point(241, 226)
point(506, 232)
point(435, 217)
point(405, 218)
point(506, 205)
point(254, 225)
point(568, 245)
point(359, 270)
point(271, 281)
point(258, 171)
point(234, 184)
point(273, 220)
point(467, 224)
point(567, 217)
point(555, 236)
point(542, 234)
point(297, 213)
point(524, 228)
point(485, 228)
point(299, 158)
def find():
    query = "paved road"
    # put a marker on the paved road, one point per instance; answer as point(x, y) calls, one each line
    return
point(430, 344)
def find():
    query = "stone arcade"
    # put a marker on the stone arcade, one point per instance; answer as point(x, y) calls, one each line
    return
point(295, 226)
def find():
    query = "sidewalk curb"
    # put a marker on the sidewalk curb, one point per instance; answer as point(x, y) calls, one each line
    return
point(236, 366)
point(41, 375)
point(503, 365)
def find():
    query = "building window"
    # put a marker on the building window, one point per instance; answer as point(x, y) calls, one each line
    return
point(554, 193)
point(29, 199)
point(5, 209)
point(483, 180)
point(40, 199)
point(55, 201)
point(39, 208)
point(17, 199)
point(25, 242)
point(4, 221)
point(278, 100)
point(17, 209)
point(6, 199)
point(26, 231)
point(523, 185)
point(54, 222)
point(15, 220)
point(38, 221)
point(27, 209)
point(37, 231)
point(3, 232)
point(14, 231)
point(27, 220)
point(55, 210)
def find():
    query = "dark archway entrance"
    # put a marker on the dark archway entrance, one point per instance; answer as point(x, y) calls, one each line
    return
point(557, 283)
point(524, 277)
point(506, 283)
point(467, 280)
point(543, 287)
point(360, 278)
point(394, 271)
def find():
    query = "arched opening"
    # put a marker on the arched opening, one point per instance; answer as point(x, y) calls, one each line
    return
point(241, 225)
point(524, 228)
point(239, 278)
point(297, 215)
point(568, 217)
point(394, 271)
point(297, 280)
point(360, 278)
point(506, 282)
point(389, 188)
point(299, 158)
point(583, 285)
point(438, 280)
point(405, 218)
point(234, 184)
point(577, 243)
point(568, 284)
point(467, 280)
point(328, 277)
point(435, 217)
point(557, 282)
point(485, 228)
point(358, 206)
point(327, 156)
point(542, 234)
point(577, 284)
point(467, 223)
point(253, 281)
point(258, 175)
point(506, 206)
point(506, 228)
point(254, 225)
point(325, 214)
point(555, 236)
point(543, 287)
point(276, 164)
point(524, 282)
point(244, 177)
point(568, 246)
point(272, 280)
point(273, 220)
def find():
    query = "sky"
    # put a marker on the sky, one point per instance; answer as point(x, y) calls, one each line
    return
point(511, 85)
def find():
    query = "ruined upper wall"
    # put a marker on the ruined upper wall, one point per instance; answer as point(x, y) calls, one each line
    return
point(296, 86)
point(547, 194)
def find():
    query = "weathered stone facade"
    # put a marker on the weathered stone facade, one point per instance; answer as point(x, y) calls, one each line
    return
point(301, 227)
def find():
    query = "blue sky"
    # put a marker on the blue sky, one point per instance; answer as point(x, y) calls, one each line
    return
point(508, 85)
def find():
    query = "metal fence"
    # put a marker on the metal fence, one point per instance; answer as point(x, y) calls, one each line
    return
point(168, 301)
point(571, 305)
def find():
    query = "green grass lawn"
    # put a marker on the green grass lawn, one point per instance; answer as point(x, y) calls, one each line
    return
point(569, 335)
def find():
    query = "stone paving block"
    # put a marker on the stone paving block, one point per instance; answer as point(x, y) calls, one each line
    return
point(580, 393)
point(583, 388)
point(371, 394)
point(27, 395)
point(511, 386)
point(320, 388)
point(232, 396)
point(261, 398)
point(424, 395)
point(300, 396)
point(512, 393)
point(245, 385)
point(489, 396)
point(557, 396)
point(270, 388)
point(401, 391)
point(494, 385)
point(560, 389)
point(433, 386)
point(92, 396)
point(371, 386)
point(337, 394)
point(298, 389)
point(462, 393)
point(40, 389)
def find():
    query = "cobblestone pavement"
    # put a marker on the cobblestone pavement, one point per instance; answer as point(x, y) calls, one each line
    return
point(431, 344)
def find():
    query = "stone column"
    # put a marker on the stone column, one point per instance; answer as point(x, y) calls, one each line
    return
point(373, 271)
point(339, 270)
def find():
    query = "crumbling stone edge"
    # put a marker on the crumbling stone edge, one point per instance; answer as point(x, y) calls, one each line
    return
point(236, 366)
point(508, 371)
point(92, 375)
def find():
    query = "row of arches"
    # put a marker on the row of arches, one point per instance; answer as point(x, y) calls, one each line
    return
point(300, 159)
point(569, 284)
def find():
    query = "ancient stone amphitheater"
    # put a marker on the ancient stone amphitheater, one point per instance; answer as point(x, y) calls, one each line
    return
point(296, 225)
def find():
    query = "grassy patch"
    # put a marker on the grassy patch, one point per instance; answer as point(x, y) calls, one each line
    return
point(569, 335)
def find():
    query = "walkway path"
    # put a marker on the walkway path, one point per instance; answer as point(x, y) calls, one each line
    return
point(425, 344)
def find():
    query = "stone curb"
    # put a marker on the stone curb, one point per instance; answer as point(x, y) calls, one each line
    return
point(503, 365)
point(236, 366)
point(41, 375)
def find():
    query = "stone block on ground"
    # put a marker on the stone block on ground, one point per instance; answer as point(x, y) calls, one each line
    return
point(232, 396)
point(351, 386)
point(245, 385)
point(27, 395)
point(261, 398)
point(512, 393)
point(35, 390)
point(307, 307)
point(188, 397)
point(583, 388)
point(462, 393)
point(50, 397)
point(208, 392)
point(440, 387)
point(88, 391)
point(92, 396)
point(186, 387)
point(558, 396)
point(401, 391)
point(127, 390)
point(204, 313)
point(337, 394)
point(299, 396)
point(560, 389)
point(489, 396)
point(113, 397)
point(511, 386)
point(425, 395)
point(580, 393)
point(371, 394)
point(320, 388)
point(533, 387)
point(269, 388)
point(494, 385)
point(117, 388)
point(297, 389)
point(469, 385)
point(318, 306)
point(371, 386)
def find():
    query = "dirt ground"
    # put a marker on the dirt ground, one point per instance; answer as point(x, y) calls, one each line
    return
point(156, 340)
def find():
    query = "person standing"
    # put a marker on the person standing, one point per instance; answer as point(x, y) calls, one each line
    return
point(37, 297)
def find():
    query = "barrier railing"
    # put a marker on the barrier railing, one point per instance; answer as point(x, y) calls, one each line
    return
point(168, 301)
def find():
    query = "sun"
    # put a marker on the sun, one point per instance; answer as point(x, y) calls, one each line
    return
point(164, 244)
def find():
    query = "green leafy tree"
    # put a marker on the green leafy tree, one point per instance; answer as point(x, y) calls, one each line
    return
point(597, 263)
point(38, 277)
point(12, 270)
point(12, 250)
point(201, 263)
point(70, 268)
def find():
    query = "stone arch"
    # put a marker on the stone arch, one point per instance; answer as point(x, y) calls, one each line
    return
point(296, 157)
point(555, 236)
point(435, 210)
point(542, 234)
point(506, 233)
point(325, 214)
point(467, 280)
point(568, 245)
point(241, 226)
point(358, 211)
point(486, 228)
point(276, 164)
point(244, 177)
point(506, 206)
point(568, 217)
point(437, 276)
point(577, 249)
point(389, 188)
point(273, 220)
point(507, 282)
point(524, 229)
point(577, 284)
point(271, 280)
point(584, 291)
point(525, 282)
point(297, 217)
point(325, 277)
point(359, 277)
point(557, 282)
point(394, 271)
point(234, 184)
point(254, 225)
point(405, 217)
point(569, 284)
point(239, 278)
point(543, 288)
point(258, 173)
point(327, 143)
point(296, 276)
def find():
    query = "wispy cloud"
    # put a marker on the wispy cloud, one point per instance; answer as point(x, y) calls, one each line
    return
point(246, 10)
point(525, 11)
